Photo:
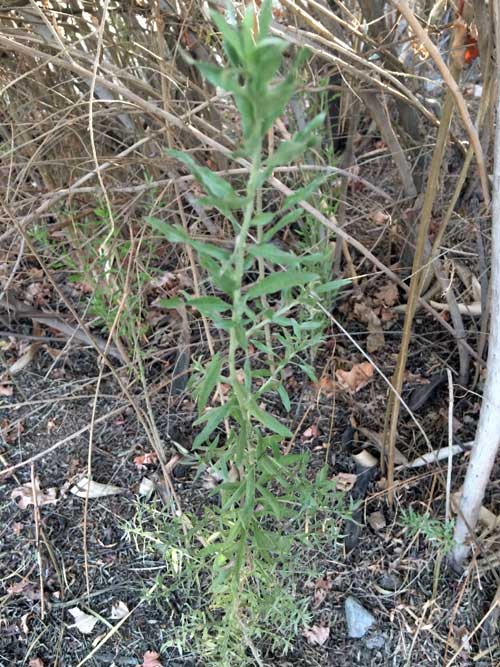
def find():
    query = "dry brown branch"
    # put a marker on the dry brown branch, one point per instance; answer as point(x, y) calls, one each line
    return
point(424, 38)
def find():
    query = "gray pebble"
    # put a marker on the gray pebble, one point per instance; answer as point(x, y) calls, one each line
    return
point(391, 582)
point(359, 620)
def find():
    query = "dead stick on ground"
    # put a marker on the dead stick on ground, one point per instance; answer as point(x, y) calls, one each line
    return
point(36, 514)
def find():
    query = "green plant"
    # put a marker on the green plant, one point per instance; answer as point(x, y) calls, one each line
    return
point(102, 276)
point(267, 301)
point(435, 531)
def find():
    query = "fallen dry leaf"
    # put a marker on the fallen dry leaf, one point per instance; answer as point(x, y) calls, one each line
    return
point(326, 385)
point(143, 460)
point(83, 622)
point(23, 495)
point(345, 481)
point(364, 313)
point(36, 662)
point(375, 340)
point(357, 378)
point(119, 610)
point(94, 489)
point(380, 217)
point(388, 295)
point(17, 528)
point(377, 521)
point(310, 433)
point(24, 623)
point(318, 634)
point(321, 588)
point(18, 587)
point(151, 659)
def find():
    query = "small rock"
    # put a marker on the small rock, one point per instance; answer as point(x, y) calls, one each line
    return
point(377, 521)
point(391, 582)
point(375, 642)
point(359, 620)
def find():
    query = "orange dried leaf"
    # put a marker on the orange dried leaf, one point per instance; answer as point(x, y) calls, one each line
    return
point(143, 460)
point(326, 385)
point(357, 378)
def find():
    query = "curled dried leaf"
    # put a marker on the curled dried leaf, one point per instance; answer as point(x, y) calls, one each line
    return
point(357, 378)
point(94, 489)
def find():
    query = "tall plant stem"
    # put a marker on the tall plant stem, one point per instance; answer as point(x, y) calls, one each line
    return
point(393, 405)
point(239, 270)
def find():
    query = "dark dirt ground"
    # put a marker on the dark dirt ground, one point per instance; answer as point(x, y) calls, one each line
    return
point(412, 626)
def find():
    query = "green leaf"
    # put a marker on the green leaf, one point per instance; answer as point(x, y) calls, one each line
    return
point(209, 381)
point(276, 282)
point(213, 418)
point(231, 37)
point(265, 18)
point(172, 233)
point(248, 113)
point(332, 286)
point(260, 346)
point(272, 253)
point(302, 194)
point(309, 372)
point(214, 183)
point(267, 498)
point(288, 151)
point(269, 421)
point(174, 302)
point(284, 321)
point(285, 398)
point(231, 500)
point(221, 279)
point(262, 219)
point(286, 220)
point(266, 58)
point(249, 491)
point(208, 305)
point(224, 78)
point(246, 34)
point(176, 234)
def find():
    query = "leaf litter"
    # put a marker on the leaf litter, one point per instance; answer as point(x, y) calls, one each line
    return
point(84, 622)
point(23, 495)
